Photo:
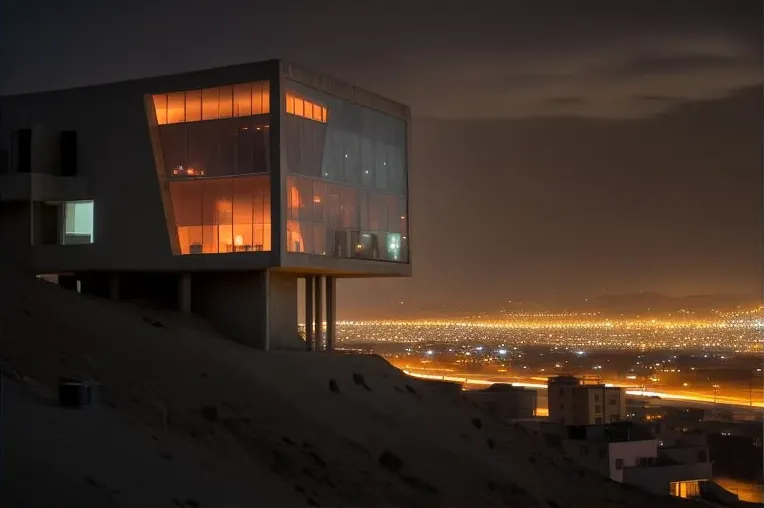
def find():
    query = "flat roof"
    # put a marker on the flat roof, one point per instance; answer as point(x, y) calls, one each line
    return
point(243, 72)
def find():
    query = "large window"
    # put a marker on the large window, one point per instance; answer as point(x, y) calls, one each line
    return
point(216, 148)
point(246, 99)
point(222, 215)
point(347, 188)
point(338, 220)
point(214, 143)
point(78, 222)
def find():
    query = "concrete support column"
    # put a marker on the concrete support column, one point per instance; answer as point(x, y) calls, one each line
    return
point(309, 342)
point(184, 293)
point(331, 312)
point(268, 305)
point(114, 286)
point(319, 289)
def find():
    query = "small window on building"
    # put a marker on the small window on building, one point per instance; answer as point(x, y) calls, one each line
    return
point(46, 223)
point(562, 392)
point(68, 153)
point(596, 397)
point(619, 464)
point(23, 139)
point(612, 402)
point(597, 408)
point(78, 223)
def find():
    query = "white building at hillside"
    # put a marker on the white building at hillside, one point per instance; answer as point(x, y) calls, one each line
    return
point(573, 401)
point(632, 455)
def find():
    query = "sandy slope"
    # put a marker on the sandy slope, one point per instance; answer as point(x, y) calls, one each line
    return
point(192, 419)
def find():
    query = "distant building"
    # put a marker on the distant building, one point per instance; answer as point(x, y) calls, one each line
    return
point(212, 191)
point(573, 402)
point(448, 388)
point(631, 454)
point(505, 401)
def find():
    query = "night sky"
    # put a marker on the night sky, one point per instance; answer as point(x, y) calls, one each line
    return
point(560, 149)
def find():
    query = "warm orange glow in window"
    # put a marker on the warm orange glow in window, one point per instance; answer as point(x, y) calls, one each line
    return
point(213, 103)
point(160, 107)
point(307, 109)
point(222, 215)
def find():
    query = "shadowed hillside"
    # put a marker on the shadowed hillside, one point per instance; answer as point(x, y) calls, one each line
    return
point(192, 419)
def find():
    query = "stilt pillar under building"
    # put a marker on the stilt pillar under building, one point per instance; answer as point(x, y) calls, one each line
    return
point(114, 292)
point(331, 312)
point(318, 334)
point(184, 293)
point(309, 340)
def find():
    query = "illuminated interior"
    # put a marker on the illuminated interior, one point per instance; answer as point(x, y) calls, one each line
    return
point(234, 146)
point(222, 215)
point(685, 489)
point(338, 220)
point(296, 105)
point(347, 188)
point(242, 100)
point(215, 145)
point(78, 222)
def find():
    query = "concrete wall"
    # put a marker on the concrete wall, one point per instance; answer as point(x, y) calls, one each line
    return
point(601, 456)
point(236, 304)
point(658, 478)
point(257, 308)
point(283, 312)
point(592, 455)
point(15, 233)
point(686, 454)
point(561, 403)
point(629, 452)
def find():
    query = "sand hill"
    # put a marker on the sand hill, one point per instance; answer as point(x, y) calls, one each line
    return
point(189, 418)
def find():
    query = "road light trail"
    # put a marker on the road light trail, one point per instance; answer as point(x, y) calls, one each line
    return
point(682, 396)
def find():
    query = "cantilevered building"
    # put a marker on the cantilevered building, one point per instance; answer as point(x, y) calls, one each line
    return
point(214, 191)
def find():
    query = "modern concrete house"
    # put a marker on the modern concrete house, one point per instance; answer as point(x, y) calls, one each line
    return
point(631, 454)
point(213, 191)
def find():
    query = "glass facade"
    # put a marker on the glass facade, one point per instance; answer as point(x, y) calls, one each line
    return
point(213, 103)
point(221, 215)
point(347, 178)
point(216, 149)
point(345, 166)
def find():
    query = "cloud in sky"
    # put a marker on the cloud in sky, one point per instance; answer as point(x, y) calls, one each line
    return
point(452, 59)
point(632, 78)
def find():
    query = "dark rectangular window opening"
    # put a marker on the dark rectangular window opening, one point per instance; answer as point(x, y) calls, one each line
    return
point(24, 150)
point(47, 223)
point(68, 153)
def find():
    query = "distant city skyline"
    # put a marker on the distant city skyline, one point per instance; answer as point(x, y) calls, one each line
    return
point(558, 149)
